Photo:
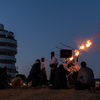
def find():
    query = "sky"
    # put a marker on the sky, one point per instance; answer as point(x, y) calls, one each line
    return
point(41, 25)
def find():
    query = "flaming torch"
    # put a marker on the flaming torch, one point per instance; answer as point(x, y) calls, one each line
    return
point(86, 45)
point(89, 43)
point(76, 53)
point(71, 58)
point(82, 47)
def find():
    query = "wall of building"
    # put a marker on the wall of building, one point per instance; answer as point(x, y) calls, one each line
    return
point(8, 50)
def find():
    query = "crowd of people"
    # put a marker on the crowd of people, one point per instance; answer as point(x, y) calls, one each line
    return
point(60, 75)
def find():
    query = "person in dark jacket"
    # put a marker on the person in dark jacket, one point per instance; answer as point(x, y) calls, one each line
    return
point(60, 80)
point(35, 73)
point(85, 79)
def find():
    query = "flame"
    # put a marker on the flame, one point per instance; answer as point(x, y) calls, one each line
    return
point(76, 53)
point(82, 47)
point(71, 58)
point(85, 45)
point(89, 43)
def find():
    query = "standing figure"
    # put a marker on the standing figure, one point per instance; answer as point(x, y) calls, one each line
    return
point(53, 62)
point(43, 74)
point(85, 79)
point(35, 73)
point(4, 77)
point(60, 80)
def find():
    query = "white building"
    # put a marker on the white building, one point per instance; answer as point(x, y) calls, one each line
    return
point(8, 50)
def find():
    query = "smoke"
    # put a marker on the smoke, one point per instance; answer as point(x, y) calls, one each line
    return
point(95, 43)
point(97, 35)
point(81, 42)
point(96, 47)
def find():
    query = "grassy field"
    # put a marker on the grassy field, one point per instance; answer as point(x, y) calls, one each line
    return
point(28, 93)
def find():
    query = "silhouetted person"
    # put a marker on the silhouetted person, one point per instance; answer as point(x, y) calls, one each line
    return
point(43, 74)
point(53, 62)
point(60, 80)
point(35, 73)
point(85, 79)
point(2, 82)
point(3, 77)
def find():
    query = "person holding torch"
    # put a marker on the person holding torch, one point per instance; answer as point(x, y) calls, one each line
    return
point(74, 67)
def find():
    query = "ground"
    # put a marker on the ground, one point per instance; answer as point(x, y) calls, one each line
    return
point(28, 93)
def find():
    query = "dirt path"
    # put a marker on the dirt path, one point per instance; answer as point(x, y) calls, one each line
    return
point(27, 93)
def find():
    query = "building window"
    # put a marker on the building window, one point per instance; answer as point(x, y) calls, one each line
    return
point(8, 44)
point(7, 61)
point(5, 52)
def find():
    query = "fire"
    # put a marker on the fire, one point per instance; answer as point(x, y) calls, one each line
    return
point(82, 47)
point(88, 43)
point(76, 53)
point(71, 58)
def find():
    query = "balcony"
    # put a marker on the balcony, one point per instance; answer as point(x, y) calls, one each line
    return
point(6, 57)
point(8, 48)
point(8, 40)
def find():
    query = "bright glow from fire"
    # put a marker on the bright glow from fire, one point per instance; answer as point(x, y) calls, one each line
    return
point(71, 58)
point(88, 43)
point(76, 53)
point(82, 47)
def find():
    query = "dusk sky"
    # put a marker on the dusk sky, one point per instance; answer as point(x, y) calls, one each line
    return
point(40, 25)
